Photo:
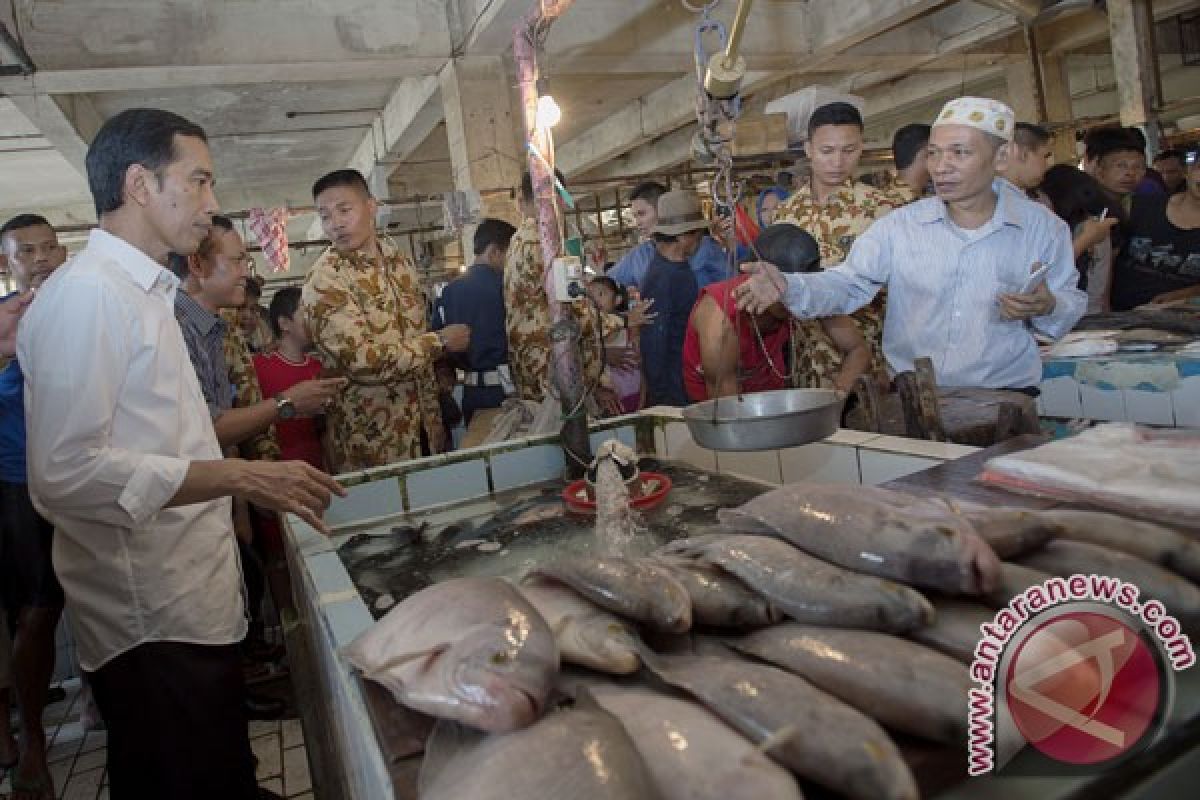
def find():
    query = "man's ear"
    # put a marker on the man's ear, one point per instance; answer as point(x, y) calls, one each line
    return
point(197, 266)
point(1004, 155)
point(136, 186)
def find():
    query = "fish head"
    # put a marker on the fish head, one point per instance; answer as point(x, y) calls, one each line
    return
point(500, 675)
point(985, 566)
point(608, 642)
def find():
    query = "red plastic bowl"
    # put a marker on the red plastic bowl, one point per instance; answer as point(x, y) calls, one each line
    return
point(577, 500)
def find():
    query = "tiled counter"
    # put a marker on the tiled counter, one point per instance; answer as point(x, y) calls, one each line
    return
point(1152, 389)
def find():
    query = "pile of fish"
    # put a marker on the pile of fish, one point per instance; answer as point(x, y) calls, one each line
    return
point(825, 622)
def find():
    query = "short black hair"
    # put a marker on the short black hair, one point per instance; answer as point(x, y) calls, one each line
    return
point(648, 192)
point(617, 289)
point(492, 231)
point(254, 286)
point(835, 114)
point(1076, 196)
point(1167, 155)
point(350, 178)
point(1100, 142)
point(789, 247)
point(527, 184)
point(1138, 135)
point(1030, 136)
point(283, 304)
point(22, 221)
point(219, 221)
point(143, 136)
point(907, 142)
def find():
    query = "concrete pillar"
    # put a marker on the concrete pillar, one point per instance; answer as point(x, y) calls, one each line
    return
point(1056, 93)
point(1135, 62)
point(1025, 82)
point(481, 129)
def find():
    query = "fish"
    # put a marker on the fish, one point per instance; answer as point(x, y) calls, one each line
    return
point(1011, 531)
point(586, 634)
point(580, 752)
point(1155, 543)
point(806, 588)
point(690, 752)
point(904, 685)
point(878, 531)
point(641, 590)
point(1064, 558)
point(803, 728)
point(719, 599)
point(1014, 579)
point(467, 649)
point(955, 629)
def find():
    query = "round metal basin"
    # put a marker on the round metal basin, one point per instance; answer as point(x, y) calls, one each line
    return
point(765, 420)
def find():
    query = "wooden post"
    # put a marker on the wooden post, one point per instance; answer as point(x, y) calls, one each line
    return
point(1135, 62)
point(1056, 91)
point(1024, 80)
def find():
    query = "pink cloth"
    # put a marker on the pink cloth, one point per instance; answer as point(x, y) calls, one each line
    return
point(269, 226)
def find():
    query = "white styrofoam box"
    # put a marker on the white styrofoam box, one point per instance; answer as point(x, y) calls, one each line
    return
point(762, 465)
point(1102, 404)
point(1060, 398)
point(439, 485)
point(942, 451)
point(879, 466)
point(681, 447)
point(1149, 408)
point(544, 462)
point(379, 498)
point(820, 461)
point(1186, 399)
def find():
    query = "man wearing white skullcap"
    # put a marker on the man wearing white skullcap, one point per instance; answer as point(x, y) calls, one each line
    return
point(959, 267)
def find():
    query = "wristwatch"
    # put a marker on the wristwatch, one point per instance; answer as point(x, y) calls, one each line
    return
point(441, 339)
point(284, 407)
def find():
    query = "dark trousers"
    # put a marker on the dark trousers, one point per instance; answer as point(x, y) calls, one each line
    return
point(477, 398)
point(176, 727)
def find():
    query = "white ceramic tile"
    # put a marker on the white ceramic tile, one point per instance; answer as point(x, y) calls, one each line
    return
point(379, 498)
point(660, 443)
point(666, 412)
point(821, 461)
point(850, 437)
point(1102, 404)
point(943, 451)
point(1060, 398)
point(1186, 399)
point(527, 465)
point(296, 778)
point(681, 447)
point(347, 620)
point(329, 576)
point(877, 466)
point(440, 485)
point(761, 465)
point(1149, 408)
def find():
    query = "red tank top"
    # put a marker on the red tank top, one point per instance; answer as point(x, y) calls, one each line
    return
point(755, 374)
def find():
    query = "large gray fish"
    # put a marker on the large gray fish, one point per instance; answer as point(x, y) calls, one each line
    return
point(1064, 557)
point(468, 649)
point(807, 588)
point(877, 531)
point(1014, 579)
point(1159, 544)
point(586, 634)
point(691, 753)
point(641, 590)
point(902, 684)
point(581, 752)
point(718, 598)
point(955, 629)
point(1011, 531)
point(812, 733)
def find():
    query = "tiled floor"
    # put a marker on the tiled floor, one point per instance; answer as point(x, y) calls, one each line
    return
point(77, 758)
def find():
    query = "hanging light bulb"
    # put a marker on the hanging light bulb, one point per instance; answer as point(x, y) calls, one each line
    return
point(548, 112)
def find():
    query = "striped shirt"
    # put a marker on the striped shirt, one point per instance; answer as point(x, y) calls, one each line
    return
point(943, 284)
point(204, 335)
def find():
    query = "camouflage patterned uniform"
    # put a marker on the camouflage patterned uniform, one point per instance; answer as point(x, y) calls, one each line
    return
point(527, 318)
point(815, 359)
point(246, 390)
point(845, 216)
point(370, 325)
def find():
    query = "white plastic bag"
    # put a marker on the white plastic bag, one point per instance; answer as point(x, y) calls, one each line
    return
point(800, 105)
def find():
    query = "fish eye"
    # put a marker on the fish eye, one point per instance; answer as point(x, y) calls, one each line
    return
point(500, 657)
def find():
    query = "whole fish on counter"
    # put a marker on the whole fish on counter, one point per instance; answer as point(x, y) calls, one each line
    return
point(1014, 579)
point(1156, 543)
point(586, 634)
point(690, 752)
point(806, 588)
point(955, 629)
point(641, 590)
point(812, 733)
point(1064, 558)
point(582, 752)
point(467, 649)
point(719, 599)
point(878, 531)
point(904, 685)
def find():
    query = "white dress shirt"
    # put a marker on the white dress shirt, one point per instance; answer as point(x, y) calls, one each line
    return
point(115, 415)
point(943, 282)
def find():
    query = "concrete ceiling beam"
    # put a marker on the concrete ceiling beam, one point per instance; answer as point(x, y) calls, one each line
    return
point(69, 123)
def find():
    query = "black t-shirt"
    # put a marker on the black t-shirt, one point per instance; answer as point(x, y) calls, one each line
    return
point(1157, 257)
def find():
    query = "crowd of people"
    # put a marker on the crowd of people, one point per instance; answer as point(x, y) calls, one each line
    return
point(155, 419)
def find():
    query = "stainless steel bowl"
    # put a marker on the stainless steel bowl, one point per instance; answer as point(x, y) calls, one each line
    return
point(765, 420)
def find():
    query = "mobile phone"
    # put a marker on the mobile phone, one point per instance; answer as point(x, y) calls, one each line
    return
point(1034, 278)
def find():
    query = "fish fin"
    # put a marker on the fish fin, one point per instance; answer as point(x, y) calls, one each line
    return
point(428, 656)
point(585, 700)
point(777, 738)
point(445, 743)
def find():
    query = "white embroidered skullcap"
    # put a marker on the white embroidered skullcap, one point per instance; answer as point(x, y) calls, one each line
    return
point(984, 113)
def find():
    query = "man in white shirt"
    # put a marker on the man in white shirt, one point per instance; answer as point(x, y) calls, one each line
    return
point(123, 459)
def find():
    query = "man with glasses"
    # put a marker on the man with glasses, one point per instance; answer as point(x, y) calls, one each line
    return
point(957, 266)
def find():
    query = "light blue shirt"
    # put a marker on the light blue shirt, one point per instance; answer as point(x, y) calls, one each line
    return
point(943, 284)
point(709, 264)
